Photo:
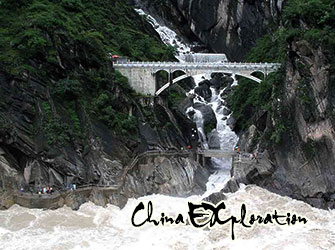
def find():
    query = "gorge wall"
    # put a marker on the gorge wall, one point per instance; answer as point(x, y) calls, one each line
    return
point(220, 26)
point(288, 120)
point(68, 118)
point(301, 163)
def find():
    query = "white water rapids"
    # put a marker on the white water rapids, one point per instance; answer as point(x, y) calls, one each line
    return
point(168, 36)
point(94, 227)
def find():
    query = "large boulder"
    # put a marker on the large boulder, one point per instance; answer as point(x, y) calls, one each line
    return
point(187, 84)
point(231, 122)
point(208, 114)
point(215, 198)
point(220, 81)
point(214, 140)
point(204, 90)
point(226, 111)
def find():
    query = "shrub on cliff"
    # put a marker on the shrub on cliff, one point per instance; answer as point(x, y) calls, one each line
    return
point(311, 20)
point(67, 44)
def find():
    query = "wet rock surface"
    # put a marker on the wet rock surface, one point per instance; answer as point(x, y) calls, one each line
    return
point(301, 165)
point(207, 114)
point(28, 161)
point(216, 198)
point(203, 90)
point(214, 140)
point(231, 27)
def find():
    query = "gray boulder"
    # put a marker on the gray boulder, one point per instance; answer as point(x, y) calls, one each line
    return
point(207, 114)
point(204, 90)
point(214, 140)
point(231, 122)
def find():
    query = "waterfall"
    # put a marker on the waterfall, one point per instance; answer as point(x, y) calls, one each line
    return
point(95, 227)
point(227, 138)
point(168, 36)
point(204, 58)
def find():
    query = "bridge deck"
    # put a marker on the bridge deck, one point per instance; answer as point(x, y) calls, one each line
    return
point(209, 65)
point(217, 153)
point(142, 75)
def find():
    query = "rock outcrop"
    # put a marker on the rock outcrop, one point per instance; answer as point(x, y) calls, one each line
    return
point(29, 161)
point(301, 164)
point(231, 27)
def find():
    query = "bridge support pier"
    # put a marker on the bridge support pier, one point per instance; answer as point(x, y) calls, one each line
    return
point(201, 159)
point(140, 79)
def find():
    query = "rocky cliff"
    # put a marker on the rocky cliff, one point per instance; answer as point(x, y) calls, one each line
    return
point(301, 165)
point(101, 158)
point(288, 119)
point(294, 129)
point(66, 117)
point(221, 26)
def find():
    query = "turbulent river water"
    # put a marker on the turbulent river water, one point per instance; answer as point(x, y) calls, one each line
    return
point(94, 227)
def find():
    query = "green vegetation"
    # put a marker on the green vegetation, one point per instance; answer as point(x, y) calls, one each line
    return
point(209, 127)
point(269, 48)
point(174, 96)
point(106, 108)
point(310, 20)
point(67, 44)
point(249, 96)
point(306, 99)
point(319, 19)
point(60, 34)
point(309, 148)
point(54, 128)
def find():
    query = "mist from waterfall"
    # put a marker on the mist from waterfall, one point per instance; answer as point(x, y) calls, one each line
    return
point(227, 138)
point(94, 227)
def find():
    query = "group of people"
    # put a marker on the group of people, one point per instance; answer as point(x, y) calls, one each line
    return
point(73, 186)
point(188, 147)
point(45, 190)
point(253, 156)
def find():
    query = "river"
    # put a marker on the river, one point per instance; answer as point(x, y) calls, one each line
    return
point(94, 227)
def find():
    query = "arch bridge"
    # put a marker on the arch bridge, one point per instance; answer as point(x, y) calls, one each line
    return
point(142, 75)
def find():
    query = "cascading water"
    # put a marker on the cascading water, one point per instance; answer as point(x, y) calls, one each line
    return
point(94, 227)
point(226, 137)
point(168, 36)
point(199, 121)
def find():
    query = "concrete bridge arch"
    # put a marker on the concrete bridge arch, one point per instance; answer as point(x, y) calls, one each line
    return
point(182, 77)
point(142, 75)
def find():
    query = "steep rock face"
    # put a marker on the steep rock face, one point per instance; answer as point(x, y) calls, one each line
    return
point(309, 152)
point(29, 161)
point(227, 26)
point(302, 164)
point(66, 117)
point(166, 175)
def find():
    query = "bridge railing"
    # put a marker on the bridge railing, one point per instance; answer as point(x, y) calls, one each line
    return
point(199, 63)
point(193, 65)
